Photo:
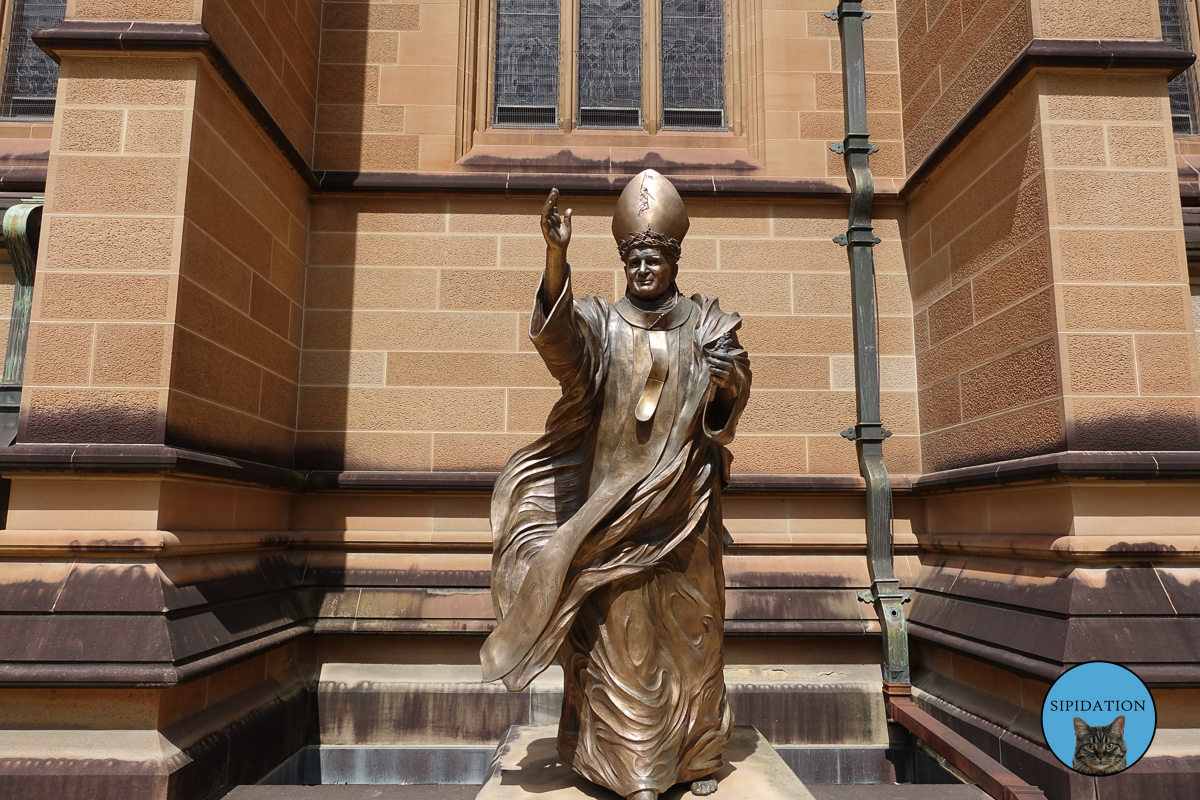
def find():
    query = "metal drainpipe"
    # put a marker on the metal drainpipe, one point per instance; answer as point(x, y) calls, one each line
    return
point(868, 434)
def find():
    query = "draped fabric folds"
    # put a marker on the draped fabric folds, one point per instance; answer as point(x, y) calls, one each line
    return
point(608, 542)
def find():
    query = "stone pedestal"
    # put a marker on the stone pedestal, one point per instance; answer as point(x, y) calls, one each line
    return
point(527, 767)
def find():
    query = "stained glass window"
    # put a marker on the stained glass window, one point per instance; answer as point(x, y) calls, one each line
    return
point(30, 76)
point(1177, 32)
point(693, 64)
point(526, 78)
point(610, 64)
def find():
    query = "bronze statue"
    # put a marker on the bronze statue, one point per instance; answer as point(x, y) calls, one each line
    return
point(608, 529)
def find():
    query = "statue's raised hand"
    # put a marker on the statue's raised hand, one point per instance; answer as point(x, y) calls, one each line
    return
point(556, 229)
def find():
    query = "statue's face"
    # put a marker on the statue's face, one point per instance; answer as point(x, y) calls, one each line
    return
point(648, 273)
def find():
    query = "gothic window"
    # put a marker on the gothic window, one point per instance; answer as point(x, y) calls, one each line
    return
point(610, 64)
point(1177, 31)
point(30, 76)
point(604, 59)
point(693, 64)
point(526, 87)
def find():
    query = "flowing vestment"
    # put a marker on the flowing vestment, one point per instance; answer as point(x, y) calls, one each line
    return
point(608, 542)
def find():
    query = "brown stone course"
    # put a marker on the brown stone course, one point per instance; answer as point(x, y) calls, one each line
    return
point(1074, 19)
point(1166, 364)
point(88, 296)
point(214, 268)
point(1115, 198)
point(109, 242)
point(236, 358)
point(1101, 365)
point(1018, 275)
point(336, 368)
point(159, 10)
point(364, 450)
point(951, 315)
point(371, 288)
point(92, 415)
point(475, 451)
point(941, 404)
point(526, 410)
point(1108, 307)
point(394, 330)
point(402, 250)
point(124, 82)
point(1019, 325)
point(208, 317)
point(201, 368)
point(378, 409)
point(1019, 433)
point(1142, 423)
point(201, 424)
point(62, 354)
point(91, 130)
point(130, 355)
point(98, 184)
point(467, 369)
point(1018, 379)
point(371, 16)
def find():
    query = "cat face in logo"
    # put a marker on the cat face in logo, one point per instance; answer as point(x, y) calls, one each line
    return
point(1100, 749)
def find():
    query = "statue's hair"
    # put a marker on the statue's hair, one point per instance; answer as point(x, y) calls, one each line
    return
point(669, 247)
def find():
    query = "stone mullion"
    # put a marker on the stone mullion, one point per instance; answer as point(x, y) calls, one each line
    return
point(568, 64)
point(652, 65)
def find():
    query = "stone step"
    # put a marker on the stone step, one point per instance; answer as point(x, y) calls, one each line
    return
point(902, 791)
point(385, 705)
point(893, 792)
point(351, 793)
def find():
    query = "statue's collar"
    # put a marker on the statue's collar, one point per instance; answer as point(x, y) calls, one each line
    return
point(653, 321)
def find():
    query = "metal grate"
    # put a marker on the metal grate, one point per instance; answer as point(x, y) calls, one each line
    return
point(610, 64)
point(1183, 90)
point(694, 119)
point(30, 76)
point(693, 64)
point(526, 79)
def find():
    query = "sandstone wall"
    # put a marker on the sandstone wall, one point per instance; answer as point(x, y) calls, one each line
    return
point(1127, 344)
point(985, 315)
point(1047, 262)
point(405, 87)
point(416, 353)
point(273, 45)
point(236, 352)
point(151, 10)
point(388, 86)
point(99, 349)
point(951, 52)
point(800, 71)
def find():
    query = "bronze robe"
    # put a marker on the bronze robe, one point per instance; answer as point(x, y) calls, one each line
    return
point(608, 543)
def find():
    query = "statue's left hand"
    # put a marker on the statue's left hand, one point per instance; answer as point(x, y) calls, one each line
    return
point(721, 368)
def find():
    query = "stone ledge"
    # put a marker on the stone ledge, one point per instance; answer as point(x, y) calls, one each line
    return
point(164, 459)
point(388, 705)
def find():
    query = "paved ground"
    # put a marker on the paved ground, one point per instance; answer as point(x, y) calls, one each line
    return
point(353, 793)
point(903, 792)
point(898, 792)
